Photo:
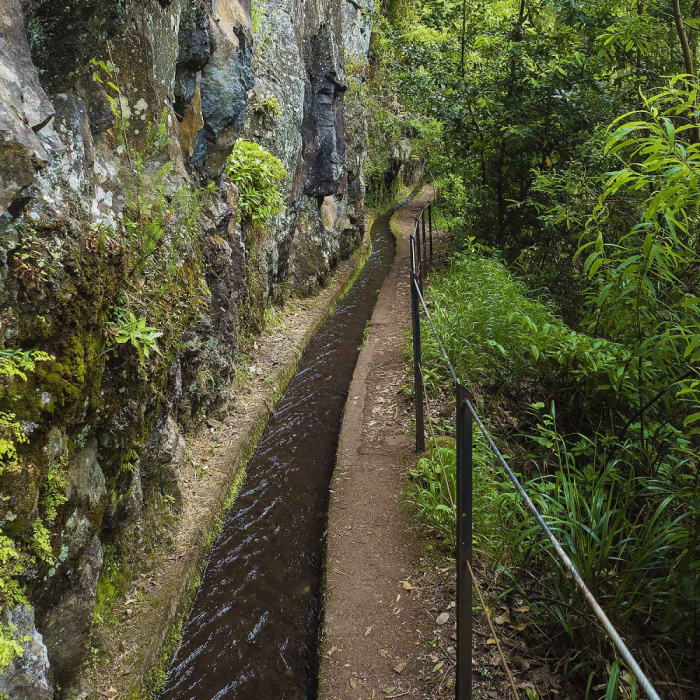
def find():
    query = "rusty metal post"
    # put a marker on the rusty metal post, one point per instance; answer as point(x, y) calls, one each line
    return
point(419, 260)
point(417, 358)
point(430, 228)
point(425, 247)
point(463, 689)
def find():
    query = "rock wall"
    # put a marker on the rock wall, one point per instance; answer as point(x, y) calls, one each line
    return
point(116, 120)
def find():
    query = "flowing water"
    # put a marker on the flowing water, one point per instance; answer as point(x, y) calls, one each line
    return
point(253, 628)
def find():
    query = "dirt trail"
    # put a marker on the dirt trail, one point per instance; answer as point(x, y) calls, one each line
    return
point(374, 621)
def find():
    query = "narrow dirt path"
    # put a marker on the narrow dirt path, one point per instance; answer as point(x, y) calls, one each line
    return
point(374, 623)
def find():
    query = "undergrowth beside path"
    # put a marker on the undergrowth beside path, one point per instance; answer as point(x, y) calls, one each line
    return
point(540, 382)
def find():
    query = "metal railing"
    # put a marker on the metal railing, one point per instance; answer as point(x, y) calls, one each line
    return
point(466, 416)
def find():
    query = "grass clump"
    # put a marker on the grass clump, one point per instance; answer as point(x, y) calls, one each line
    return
point(432, 496)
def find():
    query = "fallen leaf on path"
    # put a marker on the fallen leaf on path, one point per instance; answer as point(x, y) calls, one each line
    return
point(111, 693)
point(520, 626)
point(502, 619)
point(353, 684)
point(384, 652)
point(443, 618)
point(505, 557)
point(368, 630)
point(407, 586)
point(438, 666)
point(390, 689)
point(522, 609)
point(522, 664)
point(400, 667)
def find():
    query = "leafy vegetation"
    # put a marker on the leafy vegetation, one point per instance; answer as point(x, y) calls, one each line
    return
point(568, 176)
point(619, 522)
point(17, 554)
point(258, 175)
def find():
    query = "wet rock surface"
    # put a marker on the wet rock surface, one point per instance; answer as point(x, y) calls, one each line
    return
point(193, 76)
point(28, 677)
point(67, 625)
point(24, 111)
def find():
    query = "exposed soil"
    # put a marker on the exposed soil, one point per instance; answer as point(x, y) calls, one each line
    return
point(385, 591)
point(375, 625)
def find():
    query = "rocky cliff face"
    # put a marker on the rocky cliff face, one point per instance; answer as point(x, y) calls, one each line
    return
point(119, 236)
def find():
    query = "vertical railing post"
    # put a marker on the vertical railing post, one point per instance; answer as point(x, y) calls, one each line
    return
point(413, 256)
point(425, 247)
point(417, 357)
point(430, 229)
point(419, 263)
point(464, 546)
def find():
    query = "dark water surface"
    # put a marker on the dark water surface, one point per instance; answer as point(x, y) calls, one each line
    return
point(253, 629)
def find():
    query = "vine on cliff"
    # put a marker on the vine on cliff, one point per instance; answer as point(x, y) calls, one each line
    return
point(16, 553)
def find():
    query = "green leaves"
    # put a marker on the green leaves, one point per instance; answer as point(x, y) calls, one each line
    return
point(258, 175)
point(126, 328)
point(659, 155)
point(646, 285)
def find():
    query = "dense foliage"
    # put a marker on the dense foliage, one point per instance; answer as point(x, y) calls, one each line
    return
point(258, 175)
point(568, 172)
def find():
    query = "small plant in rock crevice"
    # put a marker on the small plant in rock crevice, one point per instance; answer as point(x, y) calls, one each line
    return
point(268, 107)
point(126, 328)
point(164, 290)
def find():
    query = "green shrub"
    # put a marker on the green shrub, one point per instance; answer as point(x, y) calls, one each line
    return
point(258, 175)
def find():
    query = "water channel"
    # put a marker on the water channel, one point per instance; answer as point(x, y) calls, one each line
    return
point(253, 629)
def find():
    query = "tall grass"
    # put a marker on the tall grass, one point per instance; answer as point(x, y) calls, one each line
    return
point(620, 494)
point(433, 495)
point(500, 338)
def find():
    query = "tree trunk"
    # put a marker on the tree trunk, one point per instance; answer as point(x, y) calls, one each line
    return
point(685, 46)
